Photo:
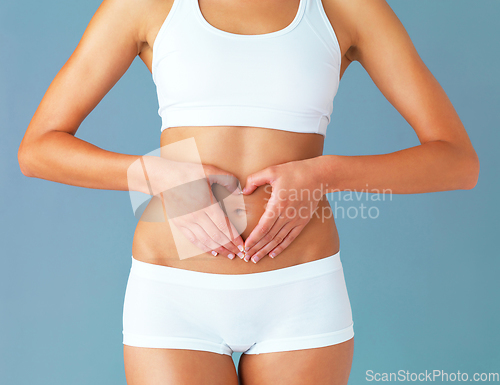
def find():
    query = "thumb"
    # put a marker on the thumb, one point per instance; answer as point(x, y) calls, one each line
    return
point(257, 179)
point(229, 181)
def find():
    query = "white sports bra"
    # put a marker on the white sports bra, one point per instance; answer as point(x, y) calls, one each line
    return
point(283, 80)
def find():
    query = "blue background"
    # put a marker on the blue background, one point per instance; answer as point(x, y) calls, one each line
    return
point(423, 277)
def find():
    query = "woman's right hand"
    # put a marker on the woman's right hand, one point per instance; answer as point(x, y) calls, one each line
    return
point(186, 193)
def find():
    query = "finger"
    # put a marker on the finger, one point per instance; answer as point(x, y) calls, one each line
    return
point(235, 237)
point(192, 238)
point(286, 242)
point(265, 224)
point(214, 248)
point(216, 228)
point(266, 239)
point(277, 240)
point(234, 234)
point(216, 225)
point(230, 182)
point(260, 178)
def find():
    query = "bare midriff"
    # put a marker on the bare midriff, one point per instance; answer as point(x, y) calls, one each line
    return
point(242, 150)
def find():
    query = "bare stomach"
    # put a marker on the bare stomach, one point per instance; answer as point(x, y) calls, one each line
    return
point(242, 151)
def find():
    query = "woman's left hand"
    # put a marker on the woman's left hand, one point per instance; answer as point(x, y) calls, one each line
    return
point(296, 192)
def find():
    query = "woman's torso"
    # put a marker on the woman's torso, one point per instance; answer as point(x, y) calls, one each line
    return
point(242, 150)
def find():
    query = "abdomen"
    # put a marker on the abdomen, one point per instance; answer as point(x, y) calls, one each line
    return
point(241, 151)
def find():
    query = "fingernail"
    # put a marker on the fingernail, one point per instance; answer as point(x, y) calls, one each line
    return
point(231, 256)
point(272, 255)
point(240, 248)
point(246, 259)
point(215, 253)
point(246, 248)
point(241, 255)
point(255, 259)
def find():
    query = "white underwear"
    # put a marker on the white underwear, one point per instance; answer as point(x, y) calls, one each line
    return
point(298, 307)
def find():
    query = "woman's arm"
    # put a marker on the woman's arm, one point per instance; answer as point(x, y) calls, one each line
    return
point(445, 159)
point(432, 166)
point(49, 148)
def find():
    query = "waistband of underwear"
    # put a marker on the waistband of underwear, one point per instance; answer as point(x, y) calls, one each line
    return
point(192, 278)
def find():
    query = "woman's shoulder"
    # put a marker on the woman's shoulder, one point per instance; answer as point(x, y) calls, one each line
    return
point(363, 21)
point(345, 17)
point(140, 16)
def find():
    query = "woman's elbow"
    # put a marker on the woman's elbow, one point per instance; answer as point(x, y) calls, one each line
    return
point(470, 171)
point(25, 155)
point(22, 159)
